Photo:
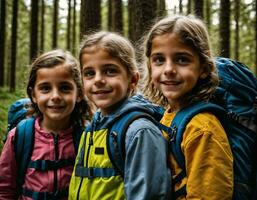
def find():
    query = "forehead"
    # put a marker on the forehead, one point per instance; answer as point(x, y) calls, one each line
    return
point(170, 43)
point(58, 72)
point(96, 56)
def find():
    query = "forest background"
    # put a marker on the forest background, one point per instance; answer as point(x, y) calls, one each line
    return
point(30, 27)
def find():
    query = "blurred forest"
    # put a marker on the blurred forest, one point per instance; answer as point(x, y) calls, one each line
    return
point(28, 28)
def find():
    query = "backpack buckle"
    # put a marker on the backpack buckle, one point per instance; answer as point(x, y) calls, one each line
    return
point(90, 173)
point(172, 133)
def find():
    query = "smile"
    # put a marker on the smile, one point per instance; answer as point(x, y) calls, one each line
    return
point(170, 82)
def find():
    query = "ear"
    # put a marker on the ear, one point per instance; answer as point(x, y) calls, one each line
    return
point(34, 99)
point(134, 80)
point(79, 98)
point(203, 75)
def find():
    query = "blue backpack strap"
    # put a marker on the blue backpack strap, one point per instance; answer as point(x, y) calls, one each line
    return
point(117, 134)
point(23, 146)
point(178, 127)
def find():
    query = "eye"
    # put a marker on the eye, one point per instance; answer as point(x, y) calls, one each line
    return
point(44, 88)
point(110, 71)
point(182, 60)
point(157, 60)
point(88, 73)
point(66, 88)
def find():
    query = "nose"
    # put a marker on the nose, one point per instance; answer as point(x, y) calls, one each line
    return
point(99, 78)
point(170, 67)
point(56, 94)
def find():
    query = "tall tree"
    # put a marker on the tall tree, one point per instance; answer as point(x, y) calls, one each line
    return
point(14, 44)
point(42, 36)
point(90, 16)
point(74, 25)
point(198, 8)
point(131, 19)
point(180, 7)
point(116, 15)
point(68, 41)
point(161, 7)
point(189, 5)
point(34, 29)
point(237, 19)
point(2, 40)
point(110, 15)
point(144, 13)
point(208, 14)
point(224, 28)
point(55, 24)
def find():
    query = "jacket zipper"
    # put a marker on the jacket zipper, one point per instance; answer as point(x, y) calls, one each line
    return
point(56, 155)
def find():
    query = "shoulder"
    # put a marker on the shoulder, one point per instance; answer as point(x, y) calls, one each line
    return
point(143, 128)
point(143, 124)
point(206, 125)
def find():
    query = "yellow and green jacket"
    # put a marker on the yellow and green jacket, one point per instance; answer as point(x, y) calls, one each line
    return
point(146, 172)
point(208, 159)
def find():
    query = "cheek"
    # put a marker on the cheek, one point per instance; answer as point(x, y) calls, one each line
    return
point(155, 75)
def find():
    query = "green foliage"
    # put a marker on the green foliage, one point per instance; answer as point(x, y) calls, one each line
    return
point(6, 99)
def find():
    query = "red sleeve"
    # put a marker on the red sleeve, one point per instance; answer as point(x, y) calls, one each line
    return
point(8, 169)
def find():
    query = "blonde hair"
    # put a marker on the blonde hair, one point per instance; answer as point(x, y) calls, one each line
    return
point(192, 32)
point(116, 45)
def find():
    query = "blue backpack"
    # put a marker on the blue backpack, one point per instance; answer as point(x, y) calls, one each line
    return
point(235, 105)
point(23, 148)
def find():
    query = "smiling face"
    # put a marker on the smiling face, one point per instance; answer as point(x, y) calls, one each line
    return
point(55, 94)
point(175, 67)
point(106, 80)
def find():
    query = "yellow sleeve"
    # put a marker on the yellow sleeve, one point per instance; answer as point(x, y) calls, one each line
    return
point(208, 159)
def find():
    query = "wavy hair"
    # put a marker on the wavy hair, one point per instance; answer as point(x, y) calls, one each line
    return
point(192, 32)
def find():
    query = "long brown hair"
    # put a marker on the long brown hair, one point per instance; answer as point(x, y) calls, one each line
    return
point(192, 32)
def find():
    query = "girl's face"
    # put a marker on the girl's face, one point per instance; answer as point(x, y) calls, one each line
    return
point(106, 80)
point(175, 67)
point(55, 93)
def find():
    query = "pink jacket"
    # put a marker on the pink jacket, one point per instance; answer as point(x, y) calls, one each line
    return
point(44, 149)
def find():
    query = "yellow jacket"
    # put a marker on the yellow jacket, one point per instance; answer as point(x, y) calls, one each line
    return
point(208, 158)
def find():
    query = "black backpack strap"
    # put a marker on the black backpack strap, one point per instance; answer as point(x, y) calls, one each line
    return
point(44, 165)
point(23, 146)
point(45, 195)
point(77, 132)
point(117, 134)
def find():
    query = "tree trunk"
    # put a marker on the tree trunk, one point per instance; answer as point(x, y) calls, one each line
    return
point(74, 35)
point(14, 44)
point(144, 13)
point(180, 7)
point(68, 40)
point(237, 19)
point(42, 39)
point(198, 8)
point(161, 7)
point(189, 2)
point(110, 15)
point(131, 20)
point(34, 29)
point(55, 24)
point(2, 41)
point(208, 15)
point(90, 16)
point(116, 16)
point(224, 28)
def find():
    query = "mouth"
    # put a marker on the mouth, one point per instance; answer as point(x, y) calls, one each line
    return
point(56, 107)
point(167, 82)
point(99, 92)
